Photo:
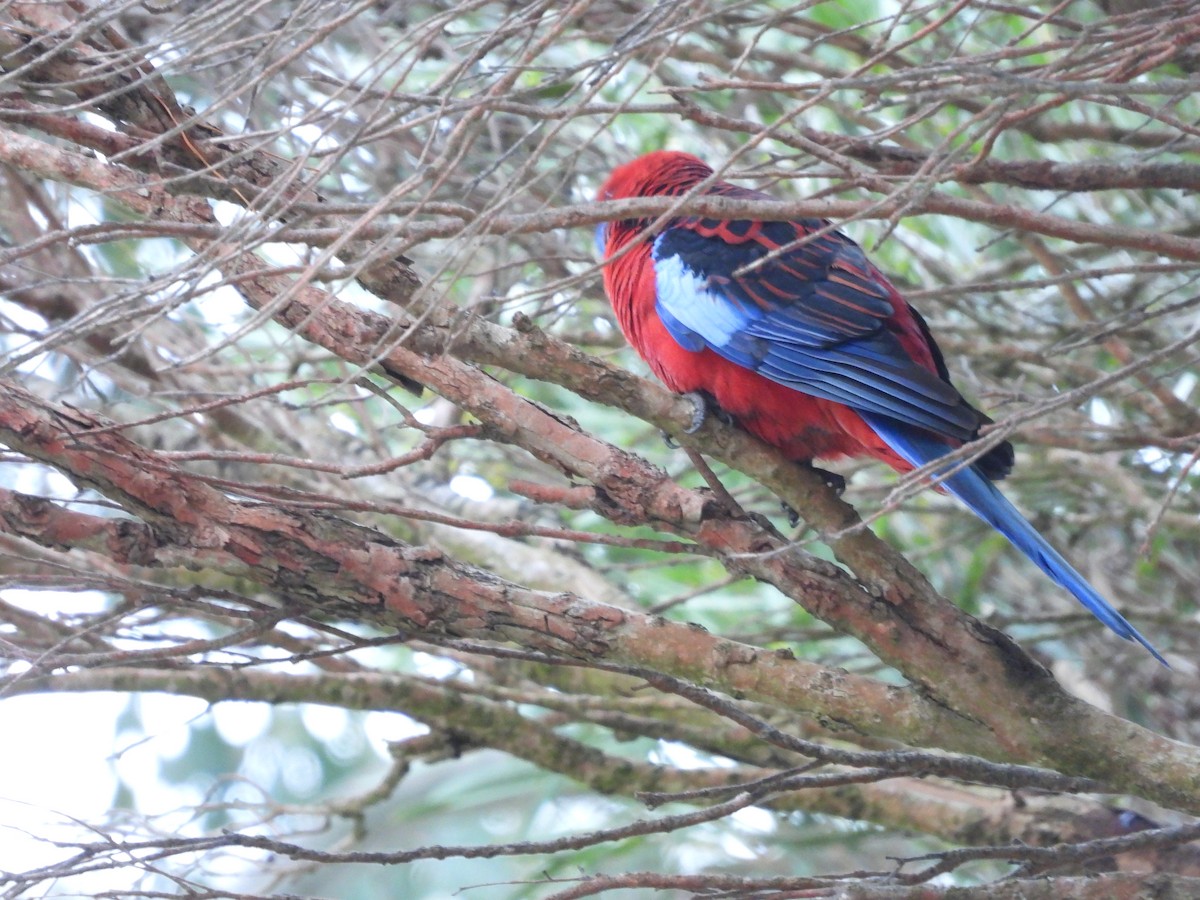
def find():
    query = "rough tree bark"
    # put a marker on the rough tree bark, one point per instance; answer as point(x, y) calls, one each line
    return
point(212, 498)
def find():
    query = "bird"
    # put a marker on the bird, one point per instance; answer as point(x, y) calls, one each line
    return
point(790, 331)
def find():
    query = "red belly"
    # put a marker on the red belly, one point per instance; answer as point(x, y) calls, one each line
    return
point(803, 427)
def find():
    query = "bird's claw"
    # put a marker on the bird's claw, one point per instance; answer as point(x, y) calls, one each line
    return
point(699, 411)
point(831, 479)
point(699, 414)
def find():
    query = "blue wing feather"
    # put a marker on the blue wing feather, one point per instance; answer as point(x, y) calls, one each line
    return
point(691, 307)
point(808, 318)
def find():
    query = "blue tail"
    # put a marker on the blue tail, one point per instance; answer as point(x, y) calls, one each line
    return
point(985, 500)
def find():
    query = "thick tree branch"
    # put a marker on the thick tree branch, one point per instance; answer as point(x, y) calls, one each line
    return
point(908, 625)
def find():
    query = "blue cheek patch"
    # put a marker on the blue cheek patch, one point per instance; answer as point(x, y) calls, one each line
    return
point(601, 239)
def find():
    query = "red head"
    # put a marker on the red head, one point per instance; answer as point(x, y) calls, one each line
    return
point(663, 172)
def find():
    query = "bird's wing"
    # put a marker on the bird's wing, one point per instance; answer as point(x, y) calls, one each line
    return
point(809, 314)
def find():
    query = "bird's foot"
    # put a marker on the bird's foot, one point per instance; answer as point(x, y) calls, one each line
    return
point(702, 404)
point(831, 479)
point(699, 410)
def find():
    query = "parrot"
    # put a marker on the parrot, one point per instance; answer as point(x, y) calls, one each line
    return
point(795, 336)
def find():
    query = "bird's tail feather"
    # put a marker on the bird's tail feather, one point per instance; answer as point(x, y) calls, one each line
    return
point(985, 500)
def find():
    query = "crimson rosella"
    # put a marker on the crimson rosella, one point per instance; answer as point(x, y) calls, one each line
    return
point(805, 344)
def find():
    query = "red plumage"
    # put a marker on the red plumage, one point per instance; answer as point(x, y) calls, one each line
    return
point(802, 426)
point(792, 331)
